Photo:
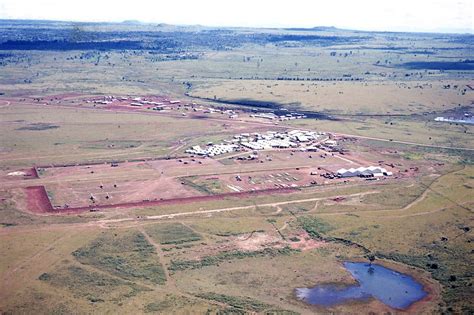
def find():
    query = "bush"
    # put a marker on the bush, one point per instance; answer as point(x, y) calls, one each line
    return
point(314, 226)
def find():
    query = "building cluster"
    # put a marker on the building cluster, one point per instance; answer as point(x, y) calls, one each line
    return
point(138, 101)
point(262, 141)
point(365, 172)
point(134, 101)
point(209, 110)
point(212, 150)
point(466, 119)
point(278, 140)
point(164, 104)
point(272, 116)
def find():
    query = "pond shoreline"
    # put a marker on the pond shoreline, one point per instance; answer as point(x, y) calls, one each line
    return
point(428, 304)
point(431, 286)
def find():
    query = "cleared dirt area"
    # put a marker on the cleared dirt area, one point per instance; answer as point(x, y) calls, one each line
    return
point(152, 169)
point(111, 185)
point(29, 173)
point(257, 241)
point(80, 194)
point(37, 199)
point(249, 181)
point(41, 206)
point(303, 241)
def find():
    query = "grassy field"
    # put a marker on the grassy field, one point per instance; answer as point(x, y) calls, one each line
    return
point(241, 254)
point(86, 135)
point(128, 256)
point(172, 233)
point(398, 129)
point(346, 98)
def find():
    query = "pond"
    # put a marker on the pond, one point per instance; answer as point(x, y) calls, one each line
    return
point(392, 288)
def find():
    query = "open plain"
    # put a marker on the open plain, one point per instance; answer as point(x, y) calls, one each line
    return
point(202, 170)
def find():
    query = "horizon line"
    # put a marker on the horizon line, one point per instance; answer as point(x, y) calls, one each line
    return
point(281, 27)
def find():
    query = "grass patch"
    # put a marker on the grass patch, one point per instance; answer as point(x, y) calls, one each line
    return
point(228, 256)
point(109, 144)
point(93, 286)
point(243, 304)
point(169, 304)
point(237, 302)
point(172, 233)
point(128, 256)
point(208, 187)
point(38, 127)
point(7, 224)
point(413, 156)
point(314, 226)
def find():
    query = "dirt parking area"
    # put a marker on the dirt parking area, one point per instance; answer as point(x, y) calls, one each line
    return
point(108, 192)
point(172, 167)
point(20, 174)
point(266, 180)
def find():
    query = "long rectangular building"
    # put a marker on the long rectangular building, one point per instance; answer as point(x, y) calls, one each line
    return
point(371, 171)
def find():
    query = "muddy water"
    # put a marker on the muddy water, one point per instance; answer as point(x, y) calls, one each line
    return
point(392, 288)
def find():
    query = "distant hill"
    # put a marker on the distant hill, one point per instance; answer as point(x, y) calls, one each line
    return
point(314, 29)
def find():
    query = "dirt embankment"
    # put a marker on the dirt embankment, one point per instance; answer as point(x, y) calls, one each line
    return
point(38, 201)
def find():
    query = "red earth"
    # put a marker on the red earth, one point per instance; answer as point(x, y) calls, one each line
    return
point(37, 199)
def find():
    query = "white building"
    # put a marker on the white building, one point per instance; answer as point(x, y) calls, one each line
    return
point(212, 150)
point(330, 143)
point(371, 171)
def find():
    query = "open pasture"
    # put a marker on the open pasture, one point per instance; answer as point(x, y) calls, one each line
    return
point(348, 98)
point(72, 134)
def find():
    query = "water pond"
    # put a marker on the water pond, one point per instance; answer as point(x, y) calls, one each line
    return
point(392, 288)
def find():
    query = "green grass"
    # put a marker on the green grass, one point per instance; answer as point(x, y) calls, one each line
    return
point(227, 256)
point(315, 227)
point(239, 303)
point(172, 233)
point(200, 186)
point(168, 304)
point(127, 255)
point(89, 135)
point(107, 144)
point(244, 304)
point(93, 286)
point(38, 127)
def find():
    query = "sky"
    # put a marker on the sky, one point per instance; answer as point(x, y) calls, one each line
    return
point(395, 15)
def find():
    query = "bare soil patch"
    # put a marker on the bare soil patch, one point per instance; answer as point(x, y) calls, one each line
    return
point(37, 199)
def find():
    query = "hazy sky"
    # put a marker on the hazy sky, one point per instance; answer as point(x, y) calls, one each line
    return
point(397, 15)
